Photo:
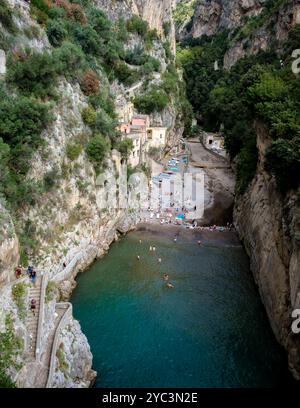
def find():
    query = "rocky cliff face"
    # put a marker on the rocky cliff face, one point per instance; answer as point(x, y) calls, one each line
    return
point(265, 221)
point(156, 12)
point(266, 225)
point(76, 222)
point(212, 15)
point(216, 15)
point(9, 247)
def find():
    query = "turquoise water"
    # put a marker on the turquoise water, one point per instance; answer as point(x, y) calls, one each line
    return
point(209, 331)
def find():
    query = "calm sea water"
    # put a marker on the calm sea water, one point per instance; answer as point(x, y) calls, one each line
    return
point(209, 331)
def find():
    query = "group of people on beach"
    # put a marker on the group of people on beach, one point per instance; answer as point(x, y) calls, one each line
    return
point(159, 260)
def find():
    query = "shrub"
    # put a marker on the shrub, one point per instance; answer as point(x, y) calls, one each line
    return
point(283, 161)
point(73, 151)
point(125, 147)
point(90, 83)
point(166, 28)
point(125, 74)
point(153, 101)
point(57, 13)
point(77, 13)
point(50, 291)
point(41, 5)
point(19, 297)
point(170, 82)
point(22, 121)
point(50, 179)
point(10, 347)
point(88, 39)
point(100, 23)
point(96, 150)
point(36, 74)
point(39, 9)
point(71, 59)
point(89, 115)
point(122, 33)
point(105, 102)
point(137, 25)
point(6, 17)
point(62, 361)
point(246, 165)
point(56, 32)
point(104, 124)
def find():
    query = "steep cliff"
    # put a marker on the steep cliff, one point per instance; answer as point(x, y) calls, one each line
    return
point(266, 211)
point(252, 24)
point(211, 16)
point(156, 12)
point(63, 228)
point(267, 226)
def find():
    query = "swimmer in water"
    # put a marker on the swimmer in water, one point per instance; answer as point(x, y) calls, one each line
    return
point(175, 239)
point(166, 277)
point(138, 258)
point(159, 260)
point(170, 286)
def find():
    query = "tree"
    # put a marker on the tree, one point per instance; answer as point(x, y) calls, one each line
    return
point(137, 25)
point(283, 161)
point(96, 150)
point(90, 82)
point(56, 32)
point(125, 147)
point(153, 101)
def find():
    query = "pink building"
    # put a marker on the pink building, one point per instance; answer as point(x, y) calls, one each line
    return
point(140, 120)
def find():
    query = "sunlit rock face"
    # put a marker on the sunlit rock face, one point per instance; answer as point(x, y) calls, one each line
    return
point(9, 247)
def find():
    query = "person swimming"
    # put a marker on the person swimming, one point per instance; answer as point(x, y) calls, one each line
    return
point(166, 277)
point(170, 285)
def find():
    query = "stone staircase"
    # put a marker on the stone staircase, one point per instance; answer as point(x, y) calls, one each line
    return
point(32, 320)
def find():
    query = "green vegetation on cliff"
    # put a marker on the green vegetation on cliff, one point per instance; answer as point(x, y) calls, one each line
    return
point(10, 346)
point(87, 48)
point(256, 89)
